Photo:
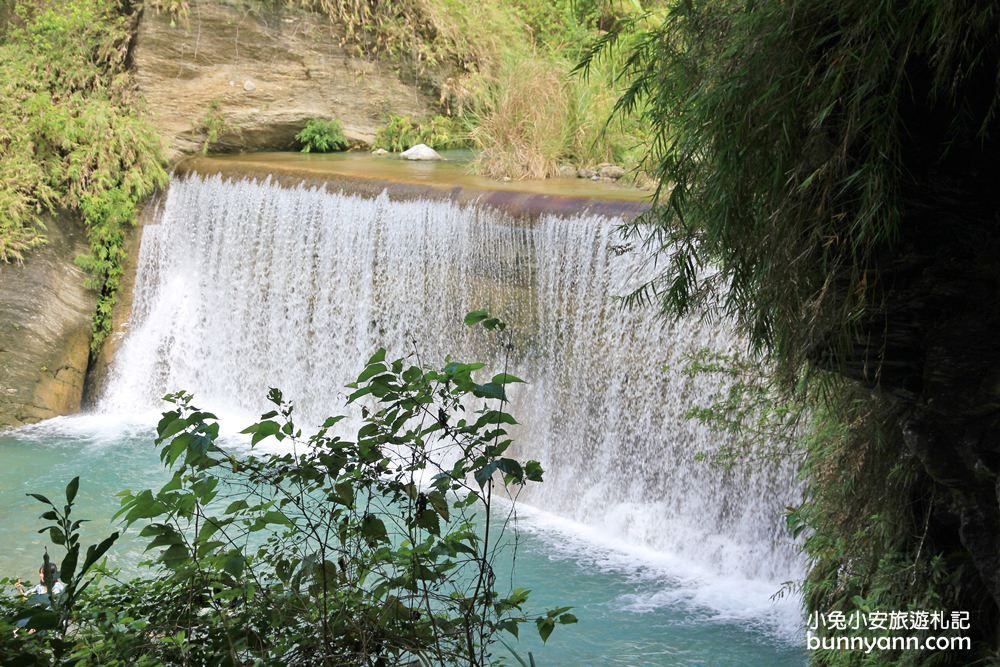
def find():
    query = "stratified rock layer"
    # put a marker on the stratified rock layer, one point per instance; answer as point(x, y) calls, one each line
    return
point(261, 73)
point(45, 329)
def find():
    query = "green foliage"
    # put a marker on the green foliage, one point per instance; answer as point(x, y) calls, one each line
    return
point(212, 126)
point(537, 115)
point(868, 529)
point(424, 37)
point(502, 73)
point(808, 154)
point(401, 133)
point(176, 8)
point(51, 618)
point(777, 139)
point(322, 136)
point(565, 28)
point(70, 137)
point(428, 36)
point(865, 522)
point(762, 419)
point(520, 118)
point(371, 550)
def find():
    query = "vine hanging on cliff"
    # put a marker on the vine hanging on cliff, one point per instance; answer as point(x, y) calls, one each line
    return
point(71, 137)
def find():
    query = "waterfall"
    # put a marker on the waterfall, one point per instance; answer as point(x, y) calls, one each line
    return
point(242, 285)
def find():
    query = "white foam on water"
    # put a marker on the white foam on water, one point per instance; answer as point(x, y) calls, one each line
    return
point(93, 431)
point(667, 580)
point(244, 285)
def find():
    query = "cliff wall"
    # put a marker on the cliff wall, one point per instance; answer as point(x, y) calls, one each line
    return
point(258, 74)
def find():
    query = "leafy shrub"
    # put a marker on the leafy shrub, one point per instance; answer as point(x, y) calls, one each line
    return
point(212, 126)
point(51, 617)
point(70, 135)
point(322, 136)
point(374, 550)
point(796, 145)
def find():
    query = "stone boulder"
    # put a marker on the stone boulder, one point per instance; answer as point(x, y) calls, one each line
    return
point(610, 171)
point(262, 69)
point(45, 328)
point(421, 152)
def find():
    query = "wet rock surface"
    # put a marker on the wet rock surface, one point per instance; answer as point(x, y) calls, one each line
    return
point(45, 329)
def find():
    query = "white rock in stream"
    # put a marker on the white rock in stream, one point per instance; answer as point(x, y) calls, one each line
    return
point(421, 152)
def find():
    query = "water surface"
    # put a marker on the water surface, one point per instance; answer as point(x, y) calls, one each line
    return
point(632, 611)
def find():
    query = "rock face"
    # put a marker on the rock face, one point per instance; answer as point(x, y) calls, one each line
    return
point(261, 71)
point(45, 320)
point(420, 152)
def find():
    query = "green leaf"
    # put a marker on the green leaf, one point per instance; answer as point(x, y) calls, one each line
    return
point(489, 390)
point(71, 489)
point(167, 418)
point(94, 553)
point(67, 569)
point(378, 357)
point(364, 391)
point(39, 497)
point(440, 504)
point(43, 619)
point(173, 428)
point(236, 506)
point(373, 528)
point(276, 517)
point(506, 378)
point(261, 430)
point(495, 417)
point(545, 627)
point(429, 522)
point(345, 493)
point(177, 446)
point(511, 468)
point(483, 474)
point(371, 371)
point(234, 564)
point(176, 557)
point(510, 625)
point(475, 317)
point(142, 506)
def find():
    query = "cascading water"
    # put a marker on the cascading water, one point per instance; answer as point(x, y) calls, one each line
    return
point(243, 285)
